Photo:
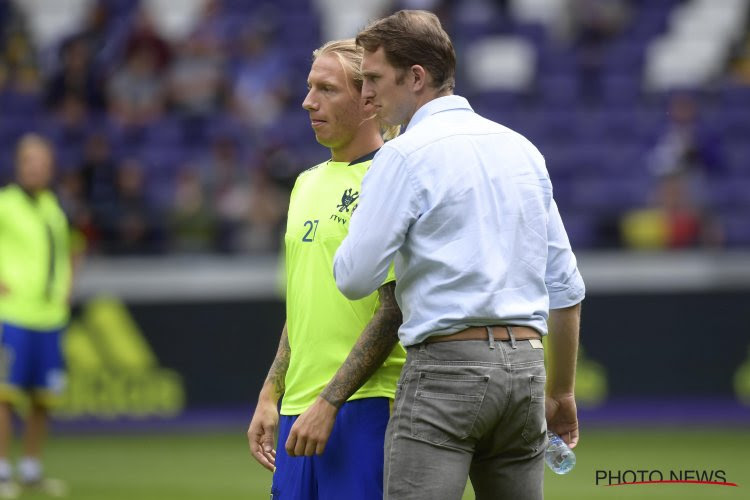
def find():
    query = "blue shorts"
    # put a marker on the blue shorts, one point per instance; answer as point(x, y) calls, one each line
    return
point(351, 467)
point(31, 360)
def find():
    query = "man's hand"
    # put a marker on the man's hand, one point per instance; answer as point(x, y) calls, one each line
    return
point(562, 417)
point(3, 289)
point(311, 431)
point(262, 432)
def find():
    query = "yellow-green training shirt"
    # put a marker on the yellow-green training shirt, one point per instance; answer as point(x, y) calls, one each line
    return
point(34, 260)
point(322, 324)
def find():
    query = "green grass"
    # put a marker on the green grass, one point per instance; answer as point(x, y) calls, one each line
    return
point(219, 467)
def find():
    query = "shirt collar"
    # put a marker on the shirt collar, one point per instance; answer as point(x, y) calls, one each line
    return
point(438, 105)
point(369, 156)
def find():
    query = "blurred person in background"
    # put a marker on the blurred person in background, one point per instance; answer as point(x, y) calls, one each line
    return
point(226, 181)
point(132, 224)
point(686, 144)
point(675, 221)
point(191, 222)
point(97, 176)
point(76, 76)
point(265, 216)
point(70, 127)
point(35, 288)
point(594, 23)
point(144, 37)
point(687, 153)
point(321, 324)
point(19, 69)
point(260, 89)
point(196, 83)
point(136, 93)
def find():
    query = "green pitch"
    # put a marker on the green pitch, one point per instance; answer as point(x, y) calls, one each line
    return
point(219, 467)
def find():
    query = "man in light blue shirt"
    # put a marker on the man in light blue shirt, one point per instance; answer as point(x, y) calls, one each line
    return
point(464, 206)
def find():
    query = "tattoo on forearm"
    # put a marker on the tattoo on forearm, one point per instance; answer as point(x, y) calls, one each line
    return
point(277, 372)
point(372, 348)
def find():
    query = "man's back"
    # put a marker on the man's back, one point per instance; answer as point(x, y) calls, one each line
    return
point(480, 216)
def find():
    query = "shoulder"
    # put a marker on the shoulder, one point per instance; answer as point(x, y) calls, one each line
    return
point(312, 169)
point(8, 193)
point(308, 174)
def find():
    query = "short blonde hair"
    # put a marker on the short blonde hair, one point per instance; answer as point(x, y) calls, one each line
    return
point(350, 56)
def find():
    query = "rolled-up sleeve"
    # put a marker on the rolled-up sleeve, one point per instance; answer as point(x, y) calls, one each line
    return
point(388, 205)
point(564, 283)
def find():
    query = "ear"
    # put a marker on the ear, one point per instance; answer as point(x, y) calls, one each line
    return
point(418, 77)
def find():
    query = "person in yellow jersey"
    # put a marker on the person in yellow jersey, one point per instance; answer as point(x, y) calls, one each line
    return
point(322, 325)
point(35, 283)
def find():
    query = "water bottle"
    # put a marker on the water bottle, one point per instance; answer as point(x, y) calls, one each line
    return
point(558, 456)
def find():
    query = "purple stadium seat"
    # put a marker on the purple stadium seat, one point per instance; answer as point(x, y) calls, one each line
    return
point(554, 59)
point(735, 123)
point(737, 155)
point(625, 56)
point(581, 229)
point(604, 195)
point(558, 91)
point(20, 104)
point(563, 162)
point(735, 96)
point(535, 33)
point(496, 102)
point(730, 192)
point(621, 90)
point(736, 228)
point(559, 125)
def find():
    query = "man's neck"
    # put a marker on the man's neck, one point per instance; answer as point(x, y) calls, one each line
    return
point(423, 99)
point(31, 193)
point(358, 148)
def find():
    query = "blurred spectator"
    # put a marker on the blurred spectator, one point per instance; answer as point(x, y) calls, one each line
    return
point(75, 76)
point(133, 225)
point(144, 37)
point(69, 127)
point(70, 194)
point(19, 70)
point(261, 79)
point(676, 221)
point(135, 91)
point(265, 215)
point(98, 170)
point(741, 63)
point(685, 154)
point(191, 222)
point(227, 186)
point(686, 145)
point(97, 29)
point(213, 27)
point(594, 23)
point(98, 180)
point(196, 79)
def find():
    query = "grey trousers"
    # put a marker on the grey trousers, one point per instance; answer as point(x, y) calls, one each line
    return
point(468, 409)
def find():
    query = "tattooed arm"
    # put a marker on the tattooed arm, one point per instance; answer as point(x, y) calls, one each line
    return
point(310, 432)
point(262, 429)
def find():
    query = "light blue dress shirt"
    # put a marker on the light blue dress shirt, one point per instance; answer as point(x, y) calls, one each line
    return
point(464, 207)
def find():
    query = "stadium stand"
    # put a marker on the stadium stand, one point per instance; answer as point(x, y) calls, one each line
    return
point(189, 102)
